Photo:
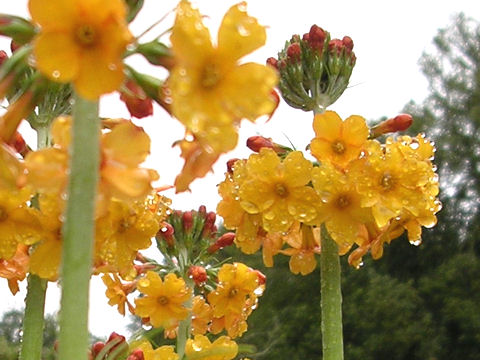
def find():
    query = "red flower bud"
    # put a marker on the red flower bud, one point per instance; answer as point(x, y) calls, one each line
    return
point(348, 43)
point(399, 123)
point(209, 225)
point(225, 240)
point(187, 219)
point(19, 144)
point(294, 53)
point(136, 354)
point(315, 37)
point(96, 348)
point(14, 46)
point(255, 143)
point(114, 336)
point(166, 232)
point(198, 274)
point(202, 210)
point(335, 46)
point(138, 103)
point(272, 62)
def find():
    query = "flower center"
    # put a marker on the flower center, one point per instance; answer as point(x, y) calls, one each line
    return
point(86, 35)
point(342, 201)
point(232, 292)
point(387, 182)
point(210, 76)
point(162, 300)
point(281, 190)
point(338, 147)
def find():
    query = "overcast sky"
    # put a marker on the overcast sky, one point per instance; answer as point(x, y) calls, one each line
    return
point(389, 38)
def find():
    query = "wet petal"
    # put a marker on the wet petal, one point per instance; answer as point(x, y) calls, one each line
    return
point(355, 130)
point(327, 125)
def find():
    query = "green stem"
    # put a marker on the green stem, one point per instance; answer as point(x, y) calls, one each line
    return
point(79, 231)
point(185, 325)
point(331, 298)
point(33, 321)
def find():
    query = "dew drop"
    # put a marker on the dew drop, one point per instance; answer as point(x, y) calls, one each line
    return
point(56, 74)
point(242, 30)
point(416, 242)
point(112, 67)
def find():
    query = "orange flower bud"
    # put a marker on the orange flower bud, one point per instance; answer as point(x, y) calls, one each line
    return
point(136, 354)
point(138, 103)
point(255, 143)
point(198, 274)
point(272, 62)
point(166, 232)
point(226, 239)
point(399, 123)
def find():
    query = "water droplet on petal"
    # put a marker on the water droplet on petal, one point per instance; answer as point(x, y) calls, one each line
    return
point(56, 74)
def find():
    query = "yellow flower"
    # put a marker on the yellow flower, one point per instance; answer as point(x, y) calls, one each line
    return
point(340, 204)
point(81, 41)
point(211, 92)
point(163, 300)
point(117, 293)
point(122, 232)
point(279, 190)
point(12, 171)
point(337, 141)
point(236, 284)
point(165, 352)
point(305, 243)
point(200, 348)
point(18, 222)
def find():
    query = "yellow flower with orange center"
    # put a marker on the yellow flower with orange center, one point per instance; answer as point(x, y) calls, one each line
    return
point(164, 299)
point(278, 190)
point(337, 141)
point(81, 41)
point(236, 284)
point(341, 205)
point(200, 348)
point(211, 91)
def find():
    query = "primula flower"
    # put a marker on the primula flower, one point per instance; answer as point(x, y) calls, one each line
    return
point(340, 205)
point(200, 348)
point(117, 293)
point(165, 352)
point(81, 41)
point(236, 284)
point(15, 269)
point(123, 231)
point(278, 190)
point(201, 315)
point(337, 141)
point(211, 92)
point(164, 299)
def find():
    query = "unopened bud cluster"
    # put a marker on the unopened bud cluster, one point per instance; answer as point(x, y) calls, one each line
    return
point(314, 69)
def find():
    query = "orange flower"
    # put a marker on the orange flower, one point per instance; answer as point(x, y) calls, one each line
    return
point(81, 41)
point(15, 269)
point(337, 141)
point(117, 293)
point(305, 243)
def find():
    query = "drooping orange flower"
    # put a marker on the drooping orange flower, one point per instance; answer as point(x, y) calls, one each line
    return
point(305, 243)
point(337, 141)
point(117, 292)
point(15, 269)
point(164, 299)
point(211, 92)
point(201, 315)
point(81, 41)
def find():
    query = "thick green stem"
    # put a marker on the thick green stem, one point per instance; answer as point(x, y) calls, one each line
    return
point(33, 321)
point(331, 299)
point(79, 231)
point(185, 325)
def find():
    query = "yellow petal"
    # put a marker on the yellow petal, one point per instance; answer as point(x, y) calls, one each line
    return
point(247, 91)
point(98, 76)
point(298, 170)
point(126, 144)
point(190, 38)
point(57, 55)
point(355, 130)
point(327, 125)
point(239, 33)
point(129, 183)
point(60, 13)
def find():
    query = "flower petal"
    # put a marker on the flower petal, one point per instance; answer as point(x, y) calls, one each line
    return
point(239, 33)
point(355, 130)
point(55, 14)
point(327, 125)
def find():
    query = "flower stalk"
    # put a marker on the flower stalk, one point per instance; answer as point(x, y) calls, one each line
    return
point(331, 298)
point(78, 230)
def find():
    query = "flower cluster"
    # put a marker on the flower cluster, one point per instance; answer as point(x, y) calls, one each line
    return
point(364, 192)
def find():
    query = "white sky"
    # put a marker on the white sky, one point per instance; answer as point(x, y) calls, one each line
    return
point(389, 38)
